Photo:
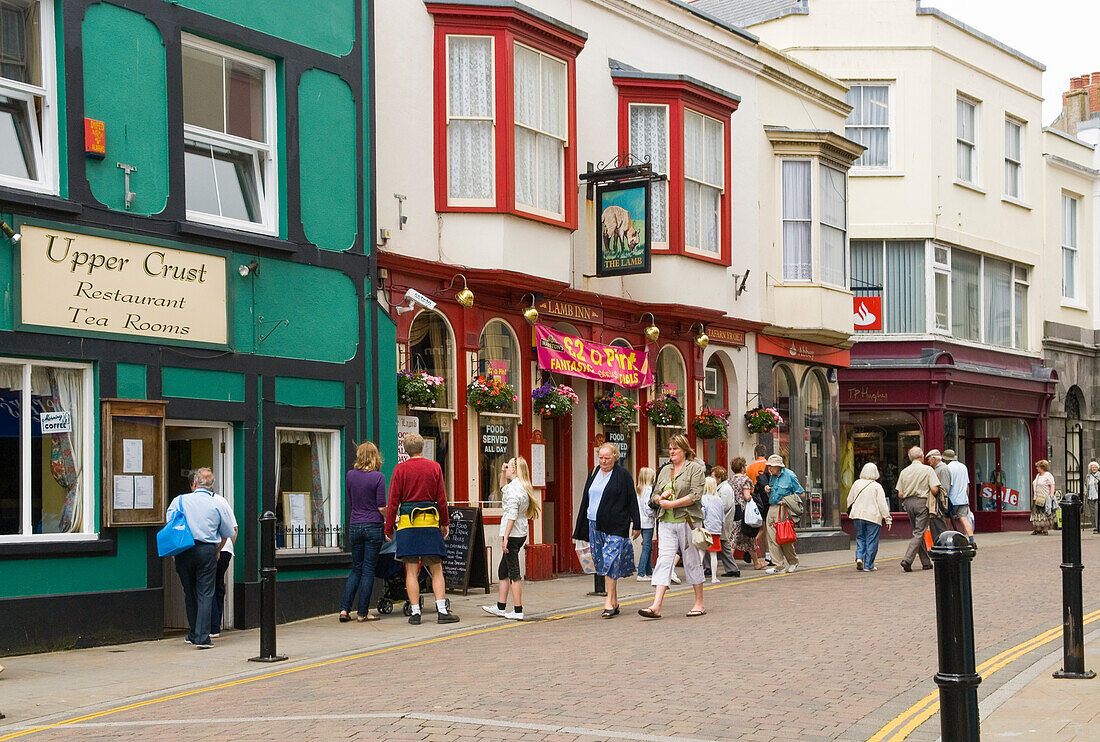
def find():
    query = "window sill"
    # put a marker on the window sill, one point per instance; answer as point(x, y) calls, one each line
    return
point(1016, 202)
point(40, 200)
point(512, 415)
point(448, 410)
point(36, 547)
point(1071, 304)
point(970, 186)
point(236, 236)
point(878, 336)
point(873, 173)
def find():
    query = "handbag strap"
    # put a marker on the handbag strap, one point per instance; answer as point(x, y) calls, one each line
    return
point(866, 483)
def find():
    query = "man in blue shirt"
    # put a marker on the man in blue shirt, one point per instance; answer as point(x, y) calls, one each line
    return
point(781, 482)
point(211, 524)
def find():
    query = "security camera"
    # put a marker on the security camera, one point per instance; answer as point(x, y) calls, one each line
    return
point(412, 296)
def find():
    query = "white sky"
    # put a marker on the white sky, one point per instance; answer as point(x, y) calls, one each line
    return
point(1062, 34)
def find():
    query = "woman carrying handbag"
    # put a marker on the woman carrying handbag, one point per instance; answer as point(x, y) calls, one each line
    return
point(868, 509)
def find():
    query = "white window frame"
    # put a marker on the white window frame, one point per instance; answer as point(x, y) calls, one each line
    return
point(1074, 248)
point(890, 124)
point(459, 201)
point(267, 184)
point(1020, 194)
point(939, 267)
point(335, 511)
point(664, 244)
point(811, 220)
point(819, 212)
point(975, 174)
point(44, 139)
point(1018, 281)
point(564, 138)
point(721, 187)
point(88, 416)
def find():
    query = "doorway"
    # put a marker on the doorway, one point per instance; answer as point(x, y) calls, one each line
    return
point(191, 446)
point(557, 512)
point(987, 500)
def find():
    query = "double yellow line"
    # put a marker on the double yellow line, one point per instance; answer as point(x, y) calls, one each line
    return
point(905, 723)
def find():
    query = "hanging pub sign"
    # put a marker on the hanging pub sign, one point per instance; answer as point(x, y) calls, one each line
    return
point(623, 234)
point(574, 356)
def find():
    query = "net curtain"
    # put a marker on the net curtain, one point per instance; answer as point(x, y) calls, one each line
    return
point(470, 109)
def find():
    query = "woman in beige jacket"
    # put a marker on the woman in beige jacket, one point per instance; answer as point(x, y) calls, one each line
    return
point(868, 509)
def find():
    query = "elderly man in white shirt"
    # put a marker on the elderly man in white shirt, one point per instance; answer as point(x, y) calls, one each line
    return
point(958, 495)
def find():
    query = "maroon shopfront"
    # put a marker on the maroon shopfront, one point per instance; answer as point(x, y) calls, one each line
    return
point(990, 407)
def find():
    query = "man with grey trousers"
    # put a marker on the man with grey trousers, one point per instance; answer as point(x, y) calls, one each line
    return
point(917, 484)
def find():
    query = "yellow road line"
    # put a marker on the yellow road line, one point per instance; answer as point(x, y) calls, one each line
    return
point(906, 722)
point(361, 655)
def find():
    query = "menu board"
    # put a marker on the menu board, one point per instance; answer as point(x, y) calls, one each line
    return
point(465, 565)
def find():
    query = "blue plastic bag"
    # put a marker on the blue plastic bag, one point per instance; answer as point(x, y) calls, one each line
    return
point(175, 537)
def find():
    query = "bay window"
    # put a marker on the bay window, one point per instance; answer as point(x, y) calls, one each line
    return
point(28, 131)
point(1069, 247)
point(649, 143)
point(47, 489)
point(801, 218)
point(506, 114)
point(869, 123)
point(704, 166)
point(229, 137)
point(834, 229)
point(797, 221)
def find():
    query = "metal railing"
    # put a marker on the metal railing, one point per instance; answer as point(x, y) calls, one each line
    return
point(310, 538)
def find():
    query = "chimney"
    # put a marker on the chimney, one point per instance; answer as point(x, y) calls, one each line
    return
point(1080, 103)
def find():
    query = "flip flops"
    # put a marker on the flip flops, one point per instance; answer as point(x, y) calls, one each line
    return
point(367, 617)
point(694, 613)
point(344, 617)
point(648, 613)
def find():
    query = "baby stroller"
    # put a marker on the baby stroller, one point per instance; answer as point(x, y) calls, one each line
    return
point(392, 574)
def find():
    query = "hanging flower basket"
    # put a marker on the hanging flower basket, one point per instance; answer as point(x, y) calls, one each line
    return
point(710, 424)
point(615, 408)
point(763, 419)
point(490, 394)
point(419, 388)
point(665, 410)
point(554, 401)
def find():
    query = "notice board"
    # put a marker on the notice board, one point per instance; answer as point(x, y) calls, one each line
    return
point(133, 464)
point(466, 564)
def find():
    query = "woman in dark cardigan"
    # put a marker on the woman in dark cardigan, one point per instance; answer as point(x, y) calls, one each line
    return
point(609, 519)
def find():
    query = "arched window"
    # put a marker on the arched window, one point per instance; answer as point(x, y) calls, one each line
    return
point(431, 349)
point(813, 416)
point(670, 377)
point(622, 436)
point(715, 398)
point(782, 386)
point(497, 356)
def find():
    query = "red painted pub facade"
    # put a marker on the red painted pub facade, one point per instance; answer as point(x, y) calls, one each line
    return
point(990, 407)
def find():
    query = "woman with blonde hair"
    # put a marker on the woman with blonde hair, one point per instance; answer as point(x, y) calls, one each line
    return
point(1042, 499)
point(366, 492)
point(868, 510)
point(644, 488)
point(520, 505)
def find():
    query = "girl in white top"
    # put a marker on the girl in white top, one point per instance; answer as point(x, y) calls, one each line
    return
point(520, 505)
point(644, 487)
point(713, 518)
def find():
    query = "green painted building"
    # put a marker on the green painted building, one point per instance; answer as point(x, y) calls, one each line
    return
point(186, 191)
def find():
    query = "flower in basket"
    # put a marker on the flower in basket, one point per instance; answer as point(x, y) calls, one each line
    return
point(554, 401)
point(490, 393)
point(419, 388)
point(614, 408)
point(763, 419)
point(710, 424)
point(665, 410)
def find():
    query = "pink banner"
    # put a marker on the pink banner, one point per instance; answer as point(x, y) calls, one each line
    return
point(626, 367)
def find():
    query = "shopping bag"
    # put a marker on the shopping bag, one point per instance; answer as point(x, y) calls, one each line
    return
point(584, 556)
point(752, 515)
point(175, 537)
point(927, 538)
point(784, 528)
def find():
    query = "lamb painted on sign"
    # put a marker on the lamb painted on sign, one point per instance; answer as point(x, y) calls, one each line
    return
point(620, 236)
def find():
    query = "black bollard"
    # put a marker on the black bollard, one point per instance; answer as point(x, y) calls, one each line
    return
point(1073, 630)
point(598, 586)
point(267, 590)
point(958, 679)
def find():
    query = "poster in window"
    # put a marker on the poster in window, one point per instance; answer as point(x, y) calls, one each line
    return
point(623, 235)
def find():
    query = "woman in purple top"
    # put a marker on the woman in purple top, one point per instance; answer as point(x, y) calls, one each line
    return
point(366, 491)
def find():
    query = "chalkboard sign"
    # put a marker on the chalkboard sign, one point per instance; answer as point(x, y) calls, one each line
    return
point(465, 565)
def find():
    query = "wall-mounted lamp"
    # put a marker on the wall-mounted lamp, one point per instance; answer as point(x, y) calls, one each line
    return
point(530, 313)
point(465, 297)
point(740, 281)
point(701, 339)
point(10, 233)
point(652, 331)
point(831, 376)
point(252, 269)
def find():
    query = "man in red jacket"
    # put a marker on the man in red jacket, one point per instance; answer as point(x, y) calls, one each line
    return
point(418, 509)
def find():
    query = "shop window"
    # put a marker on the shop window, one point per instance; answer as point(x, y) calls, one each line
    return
point(681, 127)
point(881, 438)
point(229, 136)
point(670, 377)
point(309, 508)
point(431, 349)
point(813, 398)
point(716, 398)
point(47, 489)
point(28, 133)
point(508, 81)
point(869, 123)
point(782, 387)
point(1014, 467)
point(497, 356)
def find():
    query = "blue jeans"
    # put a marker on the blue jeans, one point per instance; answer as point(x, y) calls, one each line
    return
point(366, 542)
point(645, 559)
point(867, 541)
point(196, 568)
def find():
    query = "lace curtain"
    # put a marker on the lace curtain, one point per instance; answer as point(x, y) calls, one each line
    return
point(797, 261)
point(541, 129)
point(649, 140)
point(67, 394)
point(703, 168)
point(833, 225)
point(470, 117)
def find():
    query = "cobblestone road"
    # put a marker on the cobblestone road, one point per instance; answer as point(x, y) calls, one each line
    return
point(830, 654)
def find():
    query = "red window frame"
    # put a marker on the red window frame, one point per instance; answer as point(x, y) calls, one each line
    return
point(681, 95)
point(507, 26)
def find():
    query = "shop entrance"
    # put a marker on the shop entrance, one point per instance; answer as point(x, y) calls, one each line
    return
point(990, 492)
point(557, 507)
point(192, 446)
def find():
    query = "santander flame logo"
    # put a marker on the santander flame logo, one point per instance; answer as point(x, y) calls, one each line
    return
point(867, 313)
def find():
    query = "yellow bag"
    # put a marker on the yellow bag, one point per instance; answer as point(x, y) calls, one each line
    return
point(427, 517)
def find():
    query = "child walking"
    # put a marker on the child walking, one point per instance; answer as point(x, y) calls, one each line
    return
point(644, 488)
point(713, 517)
point(520, 506)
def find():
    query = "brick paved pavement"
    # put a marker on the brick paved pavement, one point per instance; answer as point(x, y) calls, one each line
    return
point(818, 655)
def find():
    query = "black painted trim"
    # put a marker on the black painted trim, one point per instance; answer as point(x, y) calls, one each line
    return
point(78, 620)
point(39, 201)
point(234, 237)
point(327, 560)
